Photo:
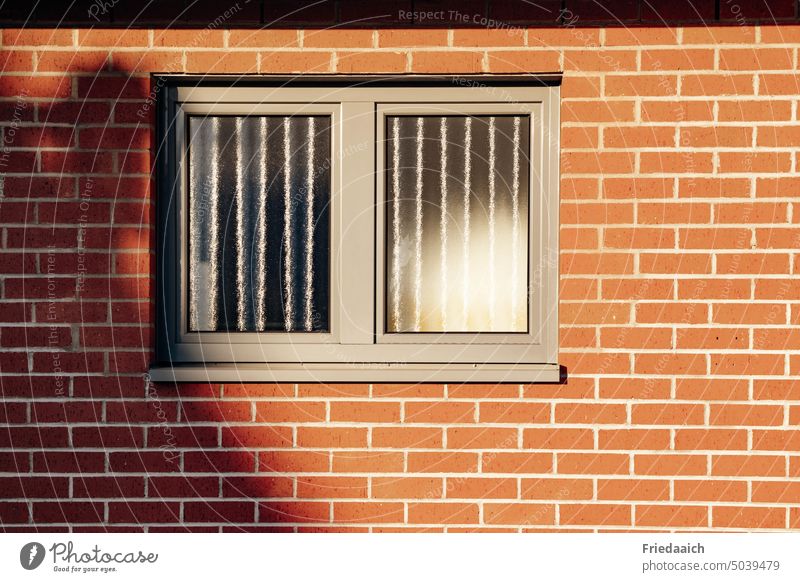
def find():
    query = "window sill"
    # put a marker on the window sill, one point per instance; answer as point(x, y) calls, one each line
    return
point(365, 372)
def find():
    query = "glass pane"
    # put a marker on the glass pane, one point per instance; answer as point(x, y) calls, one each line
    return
point(259, 223)
point(457, 244)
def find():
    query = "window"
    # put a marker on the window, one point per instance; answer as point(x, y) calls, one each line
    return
point(359, 229)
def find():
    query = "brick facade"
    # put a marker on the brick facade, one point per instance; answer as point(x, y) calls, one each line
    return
point(679, 302)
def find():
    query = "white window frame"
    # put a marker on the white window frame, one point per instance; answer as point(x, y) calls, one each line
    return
point(356, 348)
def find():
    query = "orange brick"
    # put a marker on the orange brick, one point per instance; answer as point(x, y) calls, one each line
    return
point(579, 137)
point(776, 492)
point(595, 514)
point(677, 111)
point(710, 490)
point(296, 62)
point(556, 489)
point(402, 437)
point(746, 415)
point(514, 412)
point(605, 363)
point(577, 289)
point(439, 412)
point(713, 137)
point(573, 86)
point(717, 84)
point(638, 188)
point(597, 111)
point(221, 62)
point(599, 60)
point(293, 461)
point(597, 213)
point(370, 512)
point(331, 487)
point(579, 188)
point(712, 338)
point(639, 238)
point(446, 62)
point(519, 513)
point(632, 490)
point(449, 462)
point(411, 38)
point(777, 238)
point(593, 263)
point(750, 59)
point(337, 38)
point(634, 388)
point(638, 137)
point(329, 437)
point(633, 337)
point(406, 487)
point(776, 390)
point(747, 364)
point(488, 37)
point(637, 36)
point(365, 412)
point(751, 465)
point(641, 85)
point(367, 462)
point(664, 413)
point(593, 313)
point(670, 363)
point(677, 59)
point(671, 515)
point(633, 439)
point(295, 411)
point(415, 390)
point(592, 463)
point(370, 62)
point(524, 61)
point(597, 162)
point(480, 488)
point(582, 413)
point(755, 263)
point(755, 162)
point(481, 438)
point(683, 313)
point(778, 84)
point(670, 464)
point(717, 439)
point(172, 37)
point(748, 517)
point(713, 187)
point(779, 136)
point(37, 37)
point(719, 35)
point(755, 110)
point(714, 238)
point(528, 463)
point(675, 162)
point(776, 440)
point(578, 238)
point(442, 513)
point(112, 38)
point(558, 438)
point(270, 37)
point(716, 288)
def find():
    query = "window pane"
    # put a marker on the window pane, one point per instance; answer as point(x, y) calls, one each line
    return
point(259, 195)
point(457, 223)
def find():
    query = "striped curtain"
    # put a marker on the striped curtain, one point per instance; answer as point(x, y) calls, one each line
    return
point(259, 223)
point(457, 223)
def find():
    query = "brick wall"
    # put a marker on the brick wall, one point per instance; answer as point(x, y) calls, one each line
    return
point(680, 303)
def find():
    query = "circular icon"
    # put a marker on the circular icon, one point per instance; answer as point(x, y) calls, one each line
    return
point(31, 555)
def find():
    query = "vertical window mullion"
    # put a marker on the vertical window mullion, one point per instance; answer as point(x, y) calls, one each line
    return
point(356, 239)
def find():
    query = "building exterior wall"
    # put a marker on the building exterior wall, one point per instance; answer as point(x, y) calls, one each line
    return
point(679, 303)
